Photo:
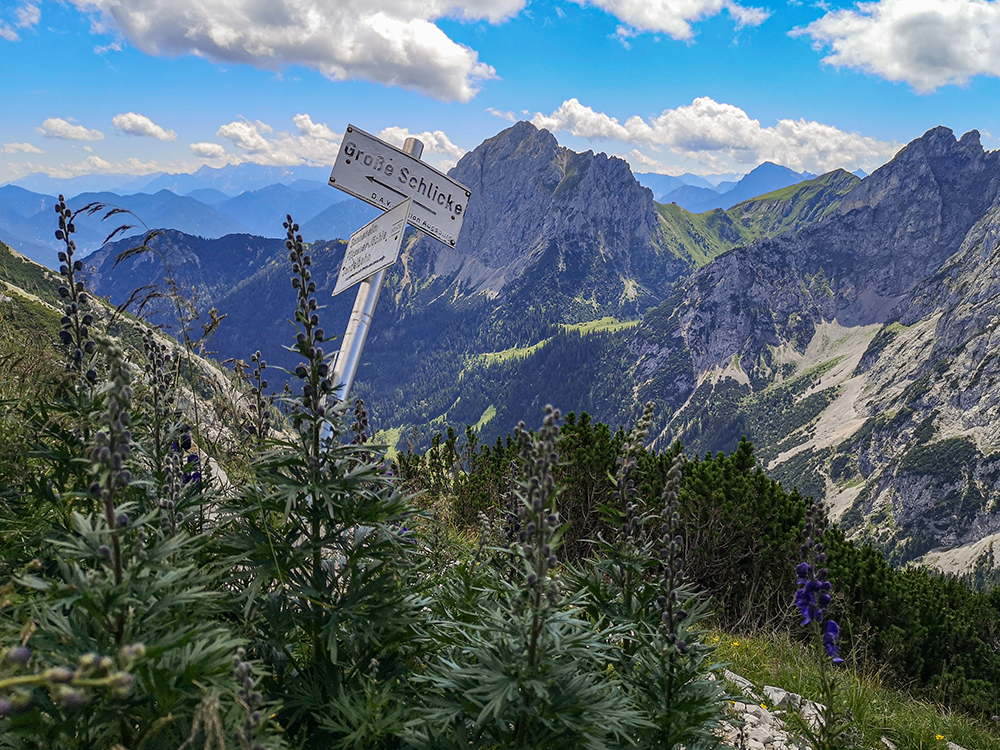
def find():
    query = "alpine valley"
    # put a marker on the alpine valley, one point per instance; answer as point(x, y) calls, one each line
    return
point(847, 326)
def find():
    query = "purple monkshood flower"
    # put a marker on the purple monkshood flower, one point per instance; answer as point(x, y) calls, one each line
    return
point(831, 631)
point(813, 596)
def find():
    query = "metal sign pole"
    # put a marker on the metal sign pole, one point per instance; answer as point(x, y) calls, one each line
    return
point(349, 357)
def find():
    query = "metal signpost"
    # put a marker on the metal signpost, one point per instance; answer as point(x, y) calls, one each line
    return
point(385, 176)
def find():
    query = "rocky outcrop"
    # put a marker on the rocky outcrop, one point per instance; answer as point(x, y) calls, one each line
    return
point(889, 233)
point(580, 221)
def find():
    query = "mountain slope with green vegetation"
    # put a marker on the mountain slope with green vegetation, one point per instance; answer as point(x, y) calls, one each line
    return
point(698, 238)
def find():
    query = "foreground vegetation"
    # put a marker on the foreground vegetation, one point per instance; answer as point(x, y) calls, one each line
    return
point(877, 706)
point(173, 576)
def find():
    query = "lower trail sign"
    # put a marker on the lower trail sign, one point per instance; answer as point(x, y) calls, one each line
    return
point(373, 247)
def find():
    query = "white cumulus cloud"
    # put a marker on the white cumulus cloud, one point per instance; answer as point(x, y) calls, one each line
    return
point(436, 144)
point(140, 125)
point(723, 137)
point(57, 127)
point(209, 150)
point(312, 143)
point(21, 148)
point(394, 42)
point(926, 43)
point(673, 17)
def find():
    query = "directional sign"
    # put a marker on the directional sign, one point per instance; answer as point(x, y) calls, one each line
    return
point(383, 175)
point(373, 247)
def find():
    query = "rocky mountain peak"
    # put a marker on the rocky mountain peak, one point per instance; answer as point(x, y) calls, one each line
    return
point(527, 189)
point(893, 230)
point(957, 177)
point(531, 196)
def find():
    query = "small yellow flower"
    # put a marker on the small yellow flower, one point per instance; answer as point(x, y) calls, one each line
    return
point(736, 643)
point(764, 706)
point(939, 737)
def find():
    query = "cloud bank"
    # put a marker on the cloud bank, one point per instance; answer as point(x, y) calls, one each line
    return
point(20, 148)
point(925, 43)
point(722, 137)
point(140, 125)
point(257, 142)
point(312, 143)
point(393, 42)
point(674, 18)
point(56, 127)
point(91, 165)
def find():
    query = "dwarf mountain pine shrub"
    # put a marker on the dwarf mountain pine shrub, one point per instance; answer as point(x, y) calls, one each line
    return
point(635, 580)
point(526, 669)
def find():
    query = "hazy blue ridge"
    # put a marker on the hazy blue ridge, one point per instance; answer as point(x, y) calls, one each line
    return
point(763, 179)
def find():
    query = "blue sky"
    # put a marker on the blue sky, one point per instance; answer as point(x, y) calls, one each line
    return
point(703, 86)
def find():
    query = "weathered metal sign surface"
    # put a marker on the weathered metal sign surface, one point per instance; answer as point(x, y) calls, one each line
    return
point(373, 247)
point(383, 175)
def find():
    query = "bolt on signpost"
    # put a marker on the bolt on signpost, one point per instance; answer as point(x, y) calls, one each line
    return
point(410, 192)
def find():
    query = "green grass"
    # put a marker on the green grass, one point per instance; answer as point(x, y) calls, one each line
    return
point(698, 238)
point(604, 325)
point(28, 275)
point(879, 709)
point(491, 411)
point(389, 438)
point(508, 355)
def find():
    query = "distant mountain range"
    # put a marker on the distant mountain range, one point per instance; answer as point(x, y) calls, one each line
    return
point(231, 180)
point(206, 210)
point(697, 194)
point(253, 199)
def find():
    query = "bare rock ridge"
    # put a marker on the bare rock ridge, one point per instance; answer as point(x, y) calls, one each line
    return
point(893, 230)
point(534, 199)
point(869, 337)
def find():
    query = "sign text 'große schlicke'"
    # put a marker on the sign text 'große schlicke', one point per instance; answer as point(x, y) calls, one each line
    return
point(383, 175)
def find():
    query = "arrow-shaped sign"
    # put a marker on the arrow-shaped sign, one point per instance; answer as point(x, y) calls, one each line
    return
point(373, 247)
point(399, 192)
point(383, 175)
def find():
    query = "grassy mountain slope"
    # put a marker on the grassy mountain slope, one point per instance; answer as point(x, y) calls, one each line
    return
point(697, 238)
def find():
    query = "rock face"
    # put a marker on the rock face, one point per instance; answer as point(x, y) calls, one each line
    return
point(895, 431)
point(889, 233)
point(540, 210)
